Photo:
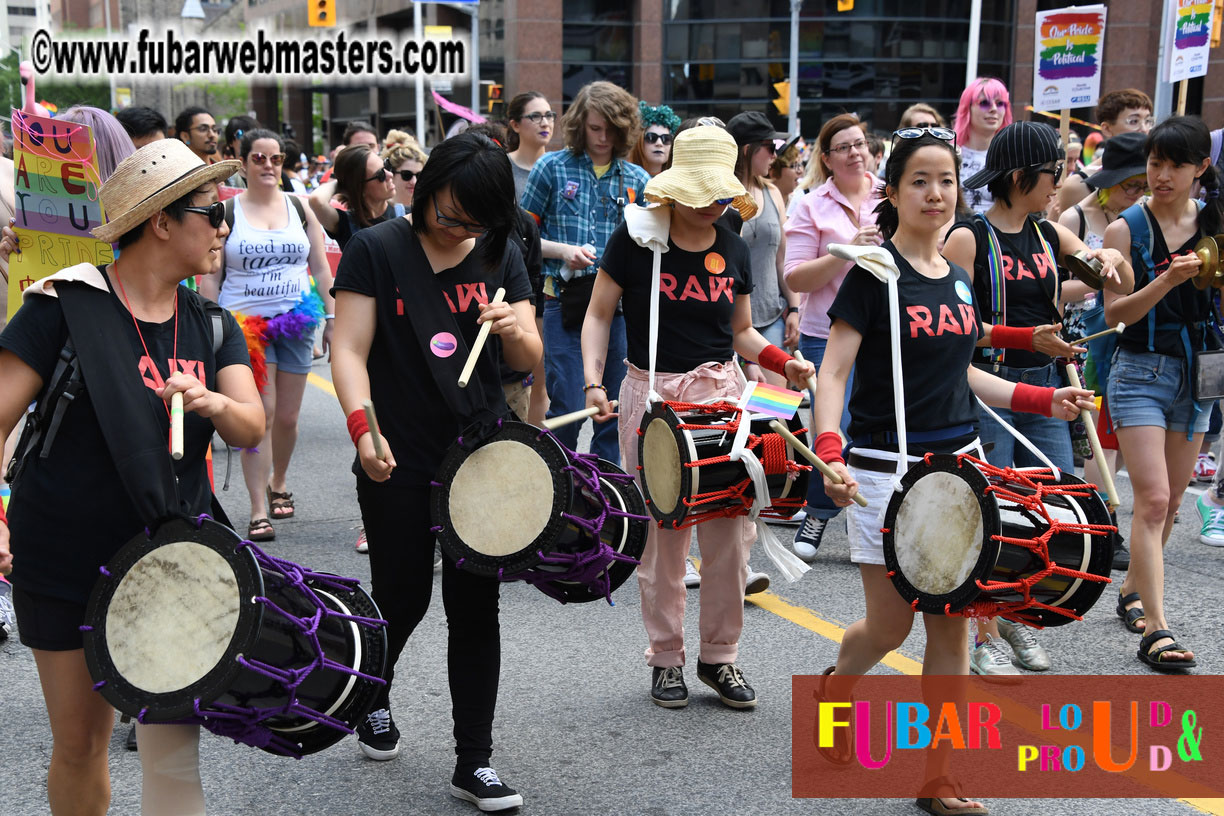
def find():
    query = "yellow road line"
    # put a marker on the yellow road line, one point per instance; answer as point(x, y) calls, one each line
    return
point(320, 383)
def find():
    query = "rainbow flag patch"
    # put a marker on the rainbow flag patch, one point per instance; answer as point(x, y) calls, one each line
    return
point(773, 401)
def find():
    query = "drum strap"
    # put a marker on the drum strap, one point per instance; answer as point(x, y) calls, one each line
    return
point(427, 313)
point(650, 227)
point(138, 449)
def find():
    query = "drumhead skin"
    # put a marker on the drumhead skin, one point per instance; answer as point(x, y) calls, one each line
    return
point(497, 503)
point(662, 468)
point(151, 603)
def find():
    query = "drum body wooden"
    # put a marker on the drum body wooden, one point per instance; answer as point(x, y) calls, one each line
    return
point(515, 504)
point(193, 624)
point(688, 476)
point(963, 537)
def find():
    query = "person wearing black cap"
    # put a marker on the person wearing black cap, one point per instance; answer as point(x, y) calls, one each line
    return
point(1013, 258)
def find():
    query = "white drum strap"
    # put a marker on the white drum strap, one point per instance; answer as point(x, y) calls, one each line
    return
point(655, 275)
point(1022, 439)
point(787, 562)
point(894, 319)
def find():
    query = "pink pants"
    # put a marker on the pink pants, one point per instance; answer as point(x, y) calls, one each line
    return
point(724, 543)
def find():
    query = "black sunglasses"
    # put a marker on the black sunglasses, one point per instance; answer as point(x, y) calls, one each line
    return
point(214, 211)
point(406, 175)
point(663, 138)
point(1056, 171)
point(380, 176)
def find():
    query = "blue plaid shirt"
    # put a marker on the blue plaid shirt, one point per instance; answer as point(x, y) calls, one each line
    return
point(574, 207)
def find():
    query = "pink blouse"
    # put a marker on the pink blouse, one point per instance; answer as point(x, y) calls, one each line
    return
point(821, 219)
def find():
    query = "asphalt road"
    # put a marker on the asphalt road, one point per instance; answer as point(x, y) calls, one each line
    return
point(575, 730)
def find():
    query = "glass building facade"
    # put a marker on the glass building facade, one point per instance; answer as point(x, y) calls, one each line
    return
point(597, 43)
point(723, 56)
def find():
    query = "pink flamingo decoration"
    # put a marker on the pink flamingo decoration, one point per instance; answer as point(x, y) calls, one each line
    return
point(26, 71)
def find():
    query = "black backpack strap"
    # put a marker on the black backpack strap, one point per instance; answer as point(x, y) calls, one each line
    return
point(68, 384)
point(1083, 227)
point(216, 323)
point(297, 205)
point(229, 213)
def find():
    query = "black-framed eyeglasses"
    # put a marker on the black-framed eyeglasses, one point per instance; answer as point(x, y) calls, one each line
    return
point(539, 116)
point(946, 134)
point(380, 176)
point(453, 223)
point(1134, 187)
point(662, 138)
point(1056, 171)
point(214, 211)
point(846, 147)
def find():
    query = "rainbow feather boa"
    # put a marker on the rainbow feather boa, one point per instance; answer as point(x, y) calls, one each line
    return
point(299, 323)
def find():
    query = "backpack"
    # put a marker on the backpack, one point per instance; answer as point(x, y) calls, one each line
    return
point(66, 384)
point(294, 200)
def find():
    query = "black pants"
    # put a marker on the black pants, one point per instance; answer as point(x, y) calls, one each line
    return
point(397, 527)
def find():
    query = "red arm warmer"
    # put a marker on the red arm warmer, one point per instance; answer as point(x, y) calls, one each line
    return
point(1012, 337)
point(774, 359)
point(3, 517)
point(1032, 399)
point(829, 447)
point(357, 425)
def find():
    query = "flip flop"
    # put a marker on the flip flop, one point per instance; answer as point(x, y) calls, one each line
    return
point(1154, 659)
point(260, 530)
point(1133, 615)
point(934, 805)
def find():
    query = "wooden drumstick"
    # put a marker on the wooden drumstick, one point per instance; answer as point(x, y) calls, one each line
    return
point(1095, 442)
point(573, 416)
point(466, 375)
point(811, 381)
point(1118, 328)
point(176, 426)
point(375, 434)
point(816, 461)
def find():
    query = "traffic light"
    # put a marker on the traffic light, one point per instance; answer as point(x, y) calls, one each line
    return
point(845, 5)
point(495, 95)
point(321, 13)
point(782, 103)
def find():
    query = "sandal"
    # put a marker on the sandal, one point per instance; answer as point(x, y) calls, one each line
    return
point(841, 752)
point(935, 805)
point(260, 530)
point(1131, 616)
point(280, 505)
point(1155, 659)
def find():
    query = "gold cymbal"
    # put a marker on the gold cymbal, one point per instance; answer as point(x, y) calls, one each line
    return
point(1085, 269)
point(1208, 252)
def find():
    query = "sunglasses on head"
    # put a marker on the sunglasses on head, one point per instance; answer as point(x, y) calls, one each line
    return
point(662, 138)
point(946, 134)
point(276, 159)
point(214, 211)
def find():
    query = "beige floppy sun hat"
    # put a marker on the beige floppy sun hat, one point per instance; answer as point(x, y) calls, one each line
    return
point(155, 175)
point(702, 172)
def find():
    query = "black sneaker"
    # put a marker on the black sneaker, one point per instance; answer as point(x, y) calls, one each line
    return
point(728, 681)
point(1121, 555)
point(377, 735)
point(667, 687)
point(482, 788)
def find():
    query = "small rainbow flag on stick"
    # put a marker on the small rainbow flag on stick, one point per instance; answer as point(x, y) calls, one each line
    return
point(773, 401)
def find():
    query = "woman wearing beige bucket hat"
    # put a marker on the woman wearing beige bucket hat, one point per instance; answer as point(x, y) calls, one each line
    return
point(704, 319)
point(72, 509)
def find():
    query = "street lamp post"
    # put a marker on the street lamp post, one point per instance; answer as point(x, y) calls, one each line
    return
point(793, 102)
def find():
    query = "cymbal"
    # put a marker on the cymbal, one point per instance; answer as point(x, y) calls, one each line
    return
point(1085, 269)
point(1209, 253)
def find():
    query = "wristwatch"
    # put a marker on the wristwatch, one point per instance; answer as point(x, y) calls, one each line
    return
point(792, 310)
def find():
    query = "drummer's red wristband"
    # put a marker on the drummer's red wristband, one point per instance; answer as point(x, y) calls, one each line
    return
point(3, 517)
point(774, 359)
point(358, 425)
point(829, 447)
point(1032, 399)
point(1012, 337)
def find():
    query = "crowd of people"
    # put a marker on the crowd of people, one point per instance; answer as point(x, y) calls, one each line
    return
point(983, 213)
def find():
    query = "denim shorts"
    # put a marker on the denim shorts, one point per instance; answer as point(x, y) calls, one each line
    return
point(291, 355)
point(1146, 388)
point(774, 332)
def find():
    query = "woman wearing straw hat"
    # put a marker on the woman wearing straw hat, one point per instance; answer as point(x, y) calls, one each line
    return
point(167, 236)
point(699, 336)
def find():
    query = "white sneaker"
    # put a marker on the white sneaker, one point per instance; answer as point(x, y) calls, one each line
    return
point(692, 578)
point(1029, 653)
point(991, 659)
point(362, 545)
point(807, 539)
point(757, 582)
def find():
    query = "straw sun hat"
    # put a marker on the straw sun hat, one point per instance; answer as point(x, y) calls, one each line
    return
point(702, 172)
point(146, 181)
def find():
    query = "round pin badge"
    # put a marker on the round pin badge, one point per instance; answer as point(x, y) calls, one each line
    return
point(715, 264)
point(443, 344)
point(963, 291)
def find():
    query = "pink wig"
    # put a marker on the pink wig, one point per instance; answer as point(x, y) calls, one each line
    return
point(989, 87)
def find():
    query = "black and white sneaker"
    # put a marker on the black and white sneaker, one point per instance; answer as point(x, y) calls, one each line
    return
point(482, 788)
point(729, 682)
point(807, 539)
point(377, 735)
point(8, 618)
point(667, 688)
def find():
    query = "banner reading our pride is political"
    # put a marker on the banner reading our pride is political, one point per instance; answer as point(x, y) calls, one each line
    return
point(55, 171)
point(1067, 63)
point(1187, 46)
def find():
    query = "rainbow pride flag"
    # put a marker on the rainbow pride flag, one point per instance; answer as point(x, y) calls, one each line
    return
point(773, 401)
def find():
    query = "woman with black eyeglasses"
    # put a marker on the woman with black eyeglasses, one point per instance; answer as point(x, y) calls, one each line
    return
point(363, 187)
point(532, 122)
point(275, 246)
point(1014, 259)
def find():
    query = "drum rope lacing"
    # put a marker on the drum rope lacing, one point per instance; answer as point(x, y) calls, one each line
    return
point(246, 724)
point(1041, 484)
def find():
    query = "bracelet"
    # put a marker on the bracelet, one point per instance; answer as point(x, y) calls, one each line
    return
point(774, 359)
point(589, 386)
point(358, 425)
point(1032, 399)
point(790, 310)
point(329, 317)
point(1012, 337)
point(829, 447)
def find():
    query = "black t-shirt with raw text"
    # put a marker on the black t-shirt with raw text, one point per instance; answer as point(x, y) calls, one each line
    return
point(1184, 305)
point(70, 512)
point(697, 293)
point(1029, 275)
point(940, 324)
point(412, 413)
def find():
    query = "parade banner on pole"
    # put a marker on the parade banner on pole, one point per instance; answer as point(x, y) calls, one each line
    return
point(55, 169)
point(1068, 48)
point(1188, 44)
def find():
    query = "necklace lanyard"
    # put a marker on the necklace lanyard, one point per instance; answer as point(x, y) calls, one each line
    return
point(139, 334)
